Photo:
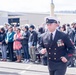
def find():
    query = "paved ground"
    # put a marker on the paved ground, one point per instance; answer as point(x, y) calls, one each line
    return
point(11, 68)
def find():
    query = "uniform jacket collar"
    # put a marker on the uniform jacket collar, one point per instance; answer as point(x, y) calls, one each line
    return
point(55, 38)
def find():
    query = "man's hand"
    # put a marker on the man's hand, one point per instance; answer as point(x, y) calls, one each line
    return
point(43, 51)
point(63, 59)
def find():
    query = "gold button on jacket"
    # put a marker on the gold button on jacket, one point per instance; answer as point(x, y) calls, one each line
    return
point(49, 48)
point(54, 53)
point(49, 58)
point(55, 48)
point(49, 53)
point(54, 58)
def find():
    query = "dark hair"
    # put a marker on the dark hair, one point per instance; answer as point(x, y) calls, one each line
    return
point(32, 26)
point(68, 25)
point(64, 26)
point(2, 29)
point(19, 29)
point(26, 27)
point(41, 30)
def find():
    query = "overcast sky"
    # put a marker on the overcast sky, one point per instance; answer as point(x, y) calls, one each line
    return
point(36, 5)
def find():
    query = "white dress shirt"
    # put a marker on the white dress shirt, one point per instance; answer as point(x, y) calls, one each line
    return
point(53, 34)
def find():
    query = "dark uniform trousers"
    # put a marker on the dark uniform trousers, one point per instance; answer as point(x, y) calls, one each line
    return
point(58, 72)
point(57, 68)
point(61, 46)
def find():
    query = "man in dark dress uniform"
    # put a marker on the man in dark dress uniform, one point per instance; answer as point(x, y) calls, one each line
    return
point(58, 47)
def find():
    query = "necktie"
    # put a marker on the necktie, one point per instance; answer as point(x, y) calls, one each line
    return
point(51, 37)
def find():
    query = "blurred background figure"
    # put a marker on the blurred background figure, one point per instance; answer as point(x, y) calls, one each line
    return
point(33, 43)
point(25, 39)
point(75, 34)
point(58, 28)
point(9, 40)
point(6, 27)
point(40, 58)
point(3, 44)
point(17, 44)
point(14, 28)
point(68, 28)
point(63, 28)
point(72, 35)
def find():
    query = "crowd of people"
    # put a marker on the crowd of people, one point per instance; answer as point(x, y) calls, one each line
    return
point(20, 43)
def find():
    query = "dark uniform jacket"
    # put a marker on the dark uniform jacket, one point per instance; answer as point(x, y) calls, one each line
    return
point(61, 46)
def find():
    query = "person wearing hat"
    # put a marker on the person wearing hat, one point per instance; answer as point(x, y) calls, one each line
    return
point(58, 50)
point(32, 43)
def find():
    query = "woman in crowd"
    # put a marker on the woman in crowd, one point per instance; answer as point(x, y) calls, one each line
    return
point(3, 45)
point(17, 44)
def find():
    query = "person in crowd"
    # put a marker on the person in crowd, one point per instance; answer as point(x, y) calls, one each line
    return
point(9, 40)
point(63, 28)
point(3, 45)
point(14, 28)
point(41, 30)
point(17, 46)
point(25, 39)
point(58, 25)
point(72, 25)
point(75, 34)
point(22, 29)
point(70, 32)
point(32, 43)
point(57, 48)
point(68, 28)
point(41, 58)
point(6, 27)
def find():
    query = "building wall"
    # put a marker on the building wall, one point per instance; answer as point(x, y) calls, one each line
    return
point(38, 19)
point(66, 18)
point(3, 18)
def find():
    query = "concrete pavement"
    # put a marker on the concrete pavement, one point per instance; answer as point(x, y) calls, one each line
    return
point(12, 68)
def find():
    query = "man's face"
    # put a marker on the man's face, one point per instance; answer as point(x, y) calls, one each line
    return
point(30, 29)
point(25, 29)
point(52, 27)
